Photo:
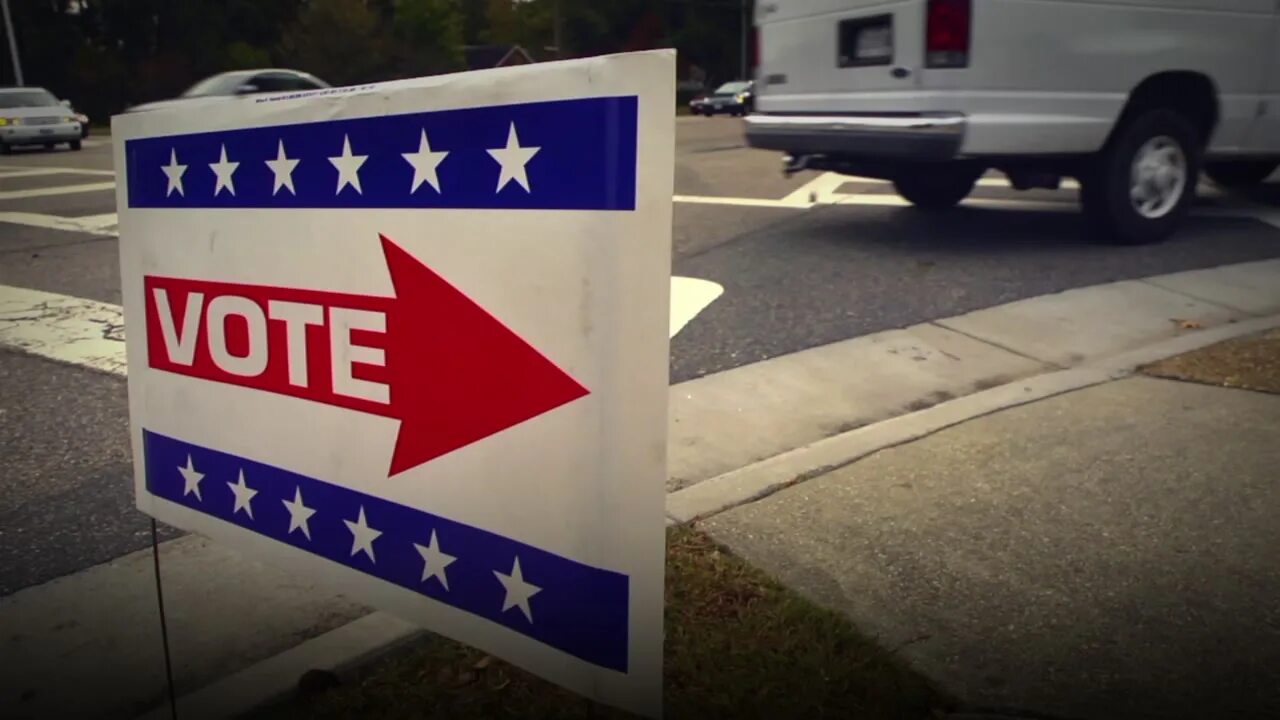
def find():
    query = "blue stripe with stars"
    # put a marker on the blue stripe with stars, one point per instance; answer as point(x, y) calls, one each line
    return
point(585, 160)
point(576, 608)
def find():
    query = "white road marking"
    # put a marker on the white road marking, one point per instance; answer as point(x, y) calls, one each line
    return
point(104, 220)
point(6, 174)
point(31, 170)
point(689, 297)
point(58, 190)
point(877, 200)
point(752, 202)
point(90, 334)
point(72, 330)
point(818, 190)
point(95, 224)
point(821, 189)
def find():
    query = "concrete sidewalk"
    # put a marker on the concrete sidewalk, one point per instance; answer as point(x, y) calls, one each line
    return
point(1106, 553)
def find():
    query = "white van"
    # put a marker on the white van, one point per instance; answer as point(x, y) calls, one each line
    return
point(1132, 97)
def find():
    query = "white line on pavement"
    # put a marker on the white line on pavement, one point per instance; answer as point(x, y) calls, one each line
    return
point(6, 174)
point(105, 223)
point(60, 327)
point(752, 202)
point(30, 170)
point(817, 190)
point(91, 333)
point(793, 202)
point(690, 296)
point(96, 224)
point(104, 220)
point(58, 190)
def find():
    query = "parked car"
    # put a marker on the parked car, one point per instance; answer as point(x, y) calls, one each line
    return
point(732, 98)
point(33, 116)
point(241, 82)
point(1131, 97)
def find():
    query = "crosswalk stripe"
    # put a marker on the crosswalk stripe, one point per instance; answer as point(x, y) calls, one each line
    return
point(68, 329)
point(56, 190)
point(8, 171)
point(90, 334)
point(96, 224)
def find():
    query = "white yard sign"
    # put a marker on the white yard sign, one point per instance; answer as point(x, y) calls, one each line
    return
point(412, 337)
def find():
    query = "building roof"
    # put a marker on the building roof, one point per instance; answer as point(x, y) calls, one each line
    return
point(480, 57)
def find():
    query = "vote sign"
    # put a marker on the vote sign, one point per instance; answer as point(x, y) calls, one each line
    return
point(411, 338)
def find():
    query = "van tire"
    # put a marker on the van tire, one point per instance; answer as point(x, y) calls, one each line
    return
point(1240, 173)
point(937, 188)
point(1106, 183)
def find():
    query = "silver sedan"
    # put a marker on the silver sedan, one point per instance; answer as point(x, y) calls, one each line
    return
point(33, 116)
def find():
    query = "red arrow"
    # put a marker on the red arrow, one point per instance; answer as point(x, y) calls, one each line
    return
point(429, 356)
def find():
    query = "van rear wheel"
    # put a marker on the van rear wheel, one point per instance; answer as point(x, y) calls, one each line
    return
point(1138, 188)
point(937, 188)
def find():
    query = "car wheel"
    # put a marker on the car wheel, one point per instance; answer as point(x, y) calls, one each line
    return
point(1240, 173)
point(75, 144)
point(937, 187)
point(6, 149)
point(1139, 187)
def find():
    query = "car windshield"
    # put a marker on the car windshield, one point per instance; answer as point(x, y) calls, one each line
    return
point(731, 88)
point(27, 98)
point(224, 84)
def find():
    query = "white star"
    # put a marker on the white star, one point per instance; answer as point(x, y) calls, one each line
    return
point(518, 591)
point(348, 166)
point(424, 164)
point(434, 562)
point(513, 158)
point(224, 169)
point(283, 167)
point(192, 478)
point(244, 495)
point(362, 536)
point(299, 514)
point(174, 171)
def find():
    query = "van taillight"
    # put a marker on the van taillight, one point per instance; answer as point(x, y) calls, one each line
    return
point(947, 33)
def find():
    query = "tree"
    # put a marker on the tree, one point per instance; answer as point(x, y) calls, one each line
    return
point(428, 36)
point(105, 54)
point(342, 41)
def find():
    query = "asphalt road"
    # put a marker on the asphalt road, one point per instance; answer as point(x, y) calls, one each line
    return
point(794, 277)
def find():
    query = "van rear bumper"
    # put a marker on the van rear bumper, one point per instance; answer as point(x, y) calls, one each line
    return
point(932, 136)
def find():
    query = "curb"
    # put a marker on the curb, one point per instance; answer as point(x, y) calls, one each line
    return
point(768, 476)
point(275, 678)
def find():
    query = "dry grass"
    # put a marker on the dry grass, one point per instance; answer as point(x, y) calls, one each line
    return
point(1250, 363)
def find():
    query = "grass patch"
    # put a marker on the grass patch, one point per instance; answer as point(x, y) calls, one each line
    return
point(1249, 363)
point(738, 645)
